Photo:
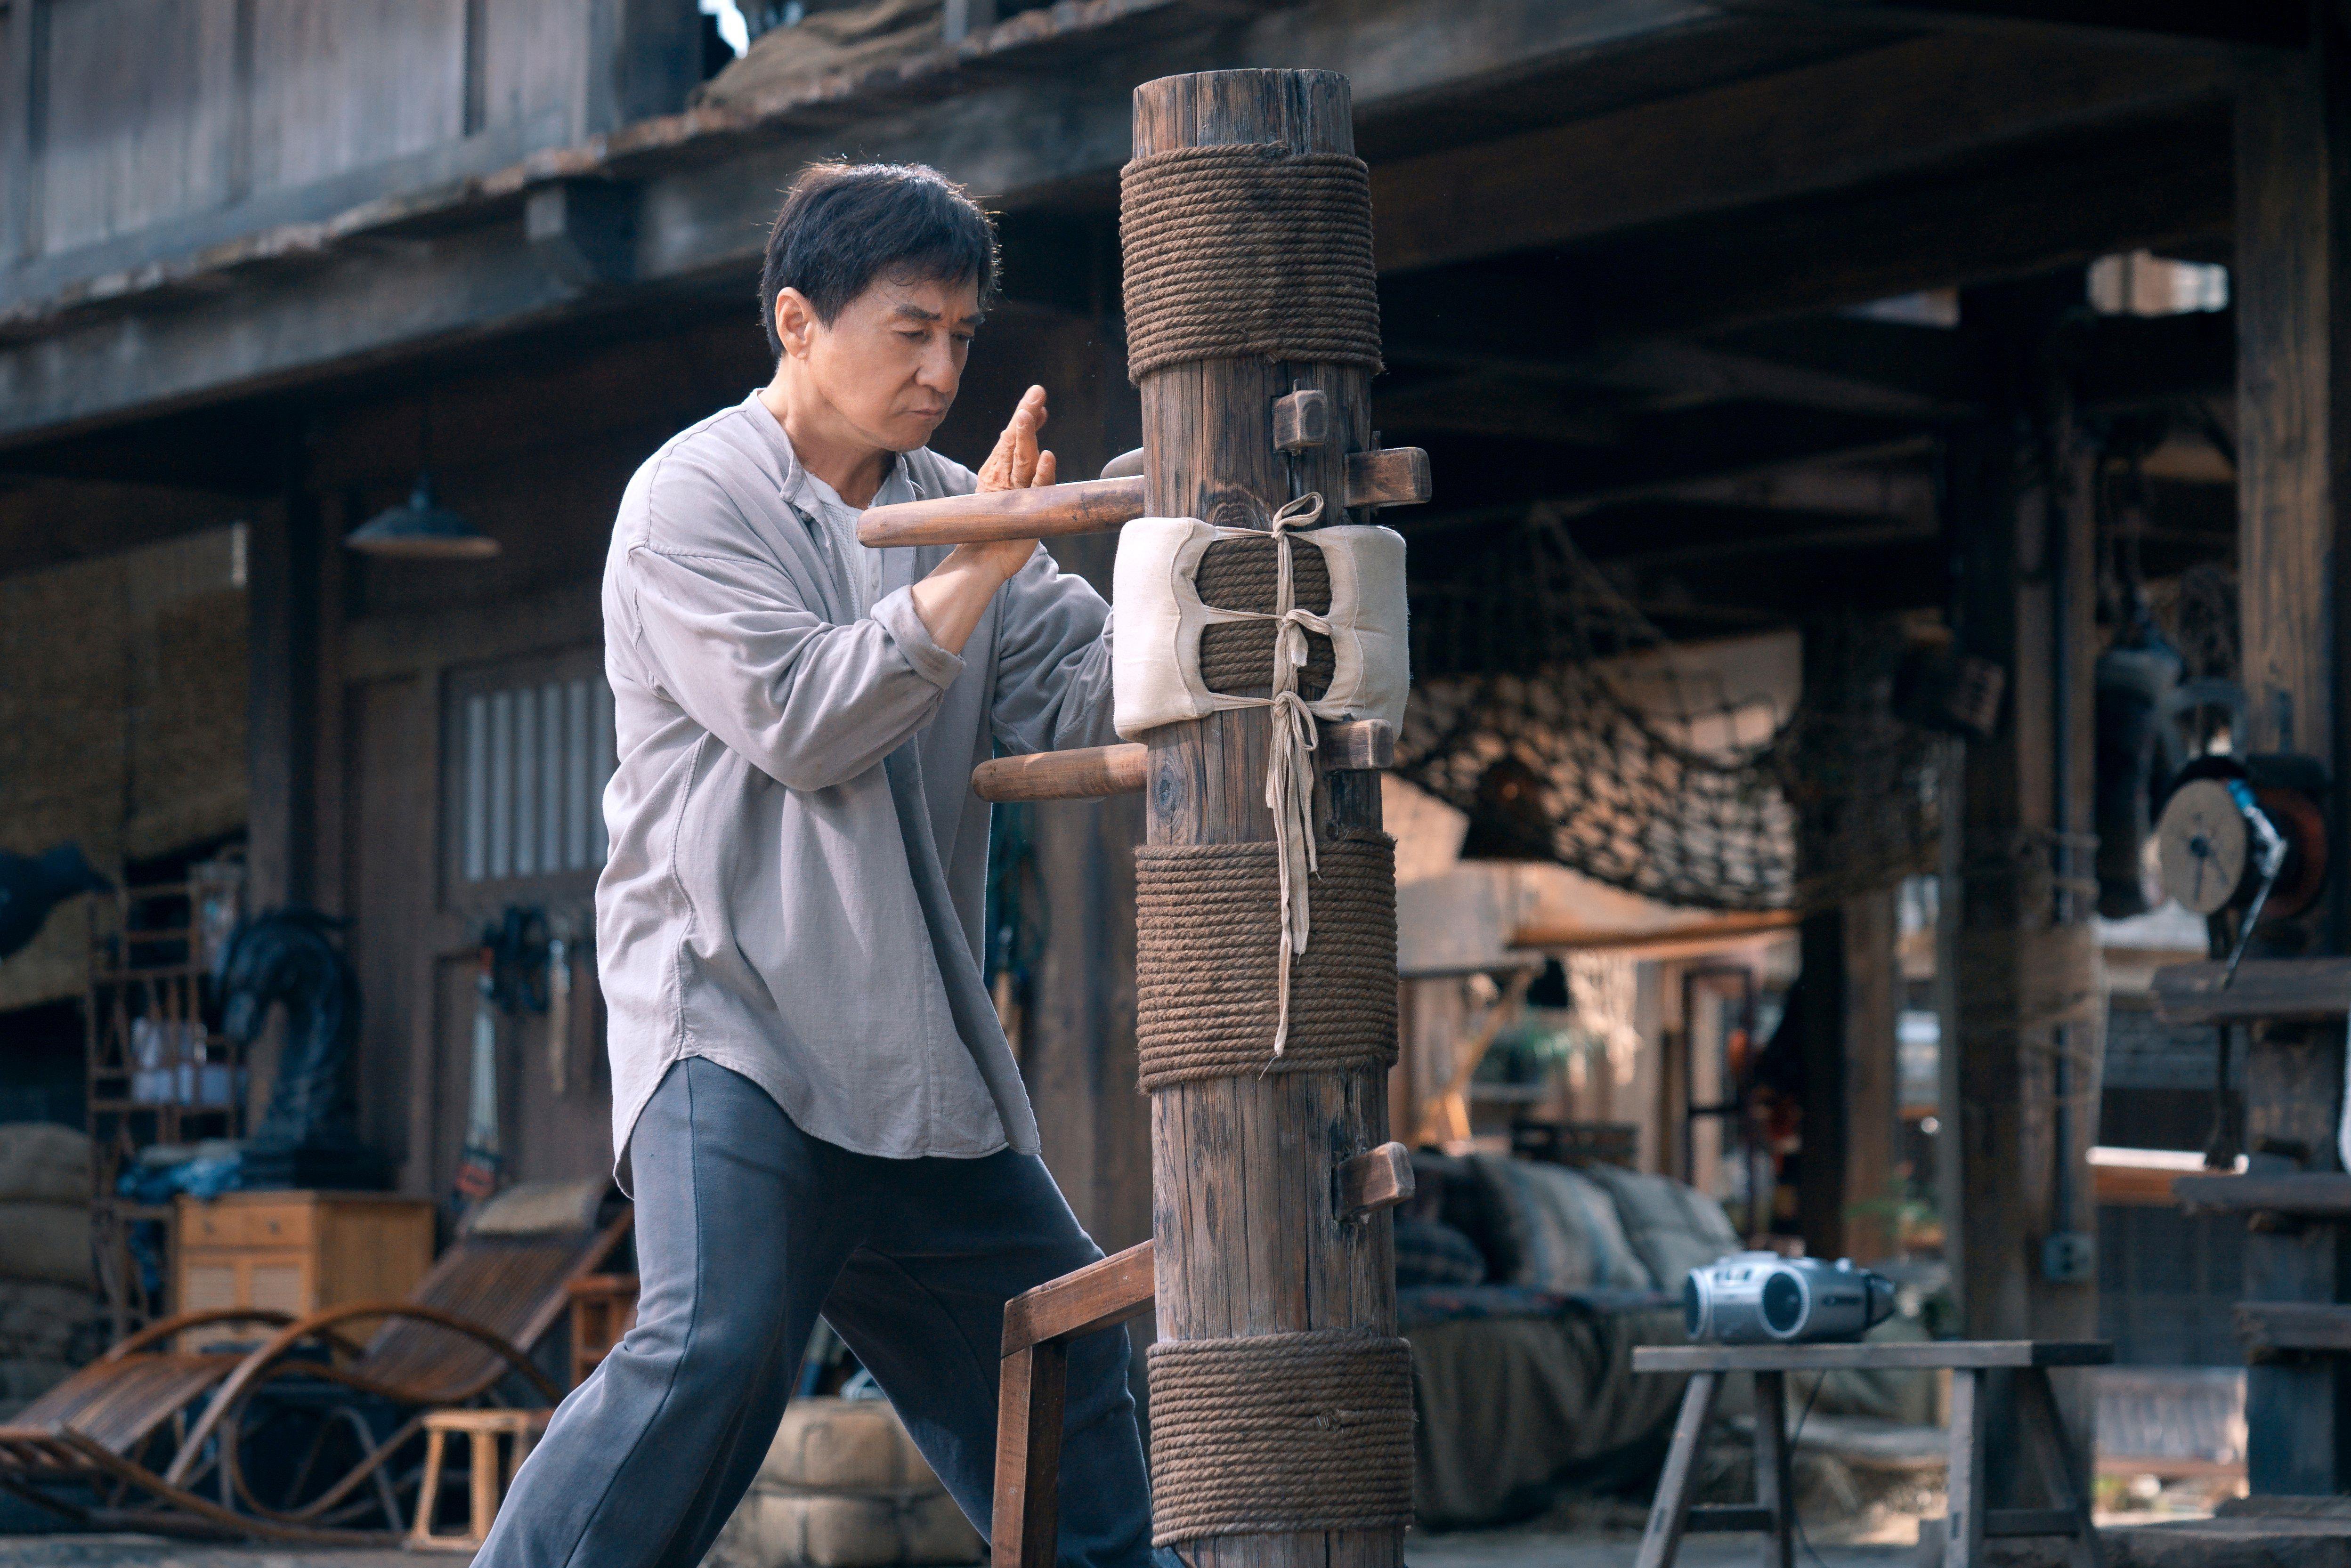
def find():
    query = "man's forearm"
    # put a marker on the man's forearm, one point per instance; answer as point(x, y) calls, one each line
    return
point(953, 598)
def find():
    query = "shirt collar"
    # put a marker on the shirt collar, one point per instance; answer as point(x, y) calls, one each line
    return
point(803, 490)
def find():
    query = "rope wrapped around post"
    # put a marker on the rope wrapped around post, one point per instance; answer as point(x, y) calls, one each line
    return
point(1281, 1432)
point(1247, 250)
point(1208, 925)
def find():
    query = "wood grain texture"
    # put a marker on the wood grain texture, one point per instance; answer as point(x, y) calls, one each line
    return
point(1051, 511)
point(1084, 773)
point(1031, 1393)
point(1391, 476)
point(2292, 304)
point(1375, 1179)
point(1250, 1234)
point(1099, 1296)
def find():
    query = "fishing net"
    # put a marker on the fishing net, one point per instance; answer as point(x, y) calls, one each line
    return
point(1554, 713)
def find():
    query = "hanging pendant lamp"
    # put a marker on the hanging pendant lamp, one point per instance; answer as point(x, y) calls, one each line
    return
point(1507, 821)
point(421, 528)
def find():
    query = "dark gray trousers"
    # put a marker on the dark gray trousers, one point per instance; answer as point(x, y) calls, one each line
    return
point(747, 1229)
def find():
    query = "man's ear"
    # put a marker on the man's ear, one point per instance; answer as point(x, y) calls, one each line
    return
point(795, 321)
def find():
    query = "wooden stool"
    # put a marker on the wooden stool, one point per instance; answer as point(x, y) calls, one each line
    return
point(604, 1310)
point(483, 1428)
point(1773, 1512)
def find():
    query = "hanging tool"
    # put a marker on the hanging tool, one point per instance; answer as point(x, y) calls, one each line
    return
point(477, 1171)
point(511, 977)
point(559, 1015)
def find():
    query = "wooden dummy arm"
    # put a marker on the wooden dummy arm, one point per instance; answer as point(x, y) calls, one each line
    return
point(1392, 476)
point(1085, 773)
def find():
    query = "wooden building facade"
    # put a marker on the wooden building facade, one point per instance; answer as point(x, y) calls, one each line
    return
point(1636, 262)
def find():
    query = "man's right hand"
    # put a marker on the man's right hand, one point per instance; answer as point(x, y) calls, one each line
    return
point(952, 599)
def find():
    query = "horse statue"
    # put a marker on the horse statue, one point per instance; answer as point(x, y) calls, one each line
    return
point(287, 955)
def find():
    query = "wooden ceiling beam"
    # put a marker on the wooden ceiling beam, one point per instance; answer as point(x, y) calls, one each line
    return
point(2194, 27)
point(1824, 127)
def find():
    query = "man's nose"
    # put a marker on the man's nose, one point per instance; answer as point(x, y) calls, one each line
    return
point(938, 371)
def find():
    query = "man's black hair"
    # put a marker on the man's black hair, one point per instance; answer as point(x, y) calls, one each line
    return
point(845, 224)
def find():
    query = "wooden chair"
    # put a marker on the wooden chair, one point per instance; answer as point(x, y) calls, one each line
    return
point(1970, 1522)
point(140, 1426)
point(1038, 1325)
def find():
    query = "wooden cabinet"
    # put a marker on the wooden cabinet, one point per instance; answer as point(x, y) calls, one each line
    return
point(296, 1252)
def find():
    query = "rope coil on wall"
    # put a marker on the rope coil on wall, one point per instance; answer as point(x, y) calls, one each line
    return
point(1207, 925)
point(1281, 1432)
point(1246, 251)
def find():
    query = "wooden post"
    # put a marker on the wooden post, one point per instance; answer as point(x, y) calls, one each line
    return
point(1852, 993)
point(2030, 998)
point(1245, 1207)
point(2293, 288)
point(282, 593)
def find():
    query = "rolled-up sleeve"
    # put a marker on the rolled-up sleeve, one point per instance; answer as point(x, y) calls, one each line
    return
point(1052, 662)
point(810, 704)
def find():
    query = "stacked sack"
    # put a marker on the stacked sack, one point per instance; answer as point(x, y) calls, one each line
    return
point(844, 1487)
point(49, 1315)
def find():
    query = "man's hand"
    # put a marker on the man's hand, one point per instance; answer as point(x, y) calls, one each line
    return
point(1017, 463)
point(952, 599)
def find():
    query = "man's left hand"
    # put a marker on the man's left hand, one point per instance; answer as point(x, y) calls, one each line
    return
point(1017, 463)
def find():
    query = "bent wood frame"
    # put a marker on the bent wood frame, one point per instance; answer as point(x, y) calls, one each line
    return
point(1039, 1326)
point(64, 1454)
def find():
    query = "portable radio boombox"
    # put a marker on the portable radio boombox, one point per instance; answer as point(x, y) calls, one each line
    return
point(1761, 1298)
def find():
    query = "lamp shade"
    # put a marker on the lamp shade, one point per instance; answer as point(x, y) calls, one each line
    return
point(421, 529)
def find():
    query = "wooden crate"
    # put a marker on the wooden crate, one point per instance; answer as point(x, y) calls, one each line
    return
point(296, 1252)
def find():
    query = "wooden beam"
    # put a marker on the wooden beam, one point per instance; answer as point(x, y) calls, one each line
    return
point(2028, 1028)
point(2166, 26)
point(2271, 1329)
point(446, 259)
point(2292, 289)
point(1842, 123)
point(2065, 203)
point(2309, 1194)
point(284, 570)
point(2261, 988)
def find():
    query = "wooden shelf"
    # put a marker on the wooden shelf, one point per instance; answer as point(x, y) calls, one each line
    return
point(2311, 1195)
point(2263, 989)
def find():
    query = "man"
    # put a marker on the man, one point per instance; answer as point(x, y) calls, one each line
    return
point(813, 1104)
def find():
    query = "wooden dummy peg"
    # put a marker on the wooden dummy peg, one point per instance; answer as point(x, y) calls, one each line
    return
point(1375, 1179)
point(1089, 772)
point(1391, 476)
point(1301, 420)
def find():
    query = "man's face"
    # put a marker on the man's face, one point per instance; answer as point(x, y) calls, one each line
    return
point(890, 362)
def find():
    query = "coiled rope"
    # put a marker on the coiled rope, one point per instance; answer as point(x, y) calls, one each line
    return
point(1246, 251)
point(1281, 1432)
point(1207, 962)
point(1236, 656)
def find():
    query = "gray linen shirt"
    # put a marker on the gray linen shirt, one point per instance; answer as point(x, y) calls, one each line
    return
point(797, 878)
